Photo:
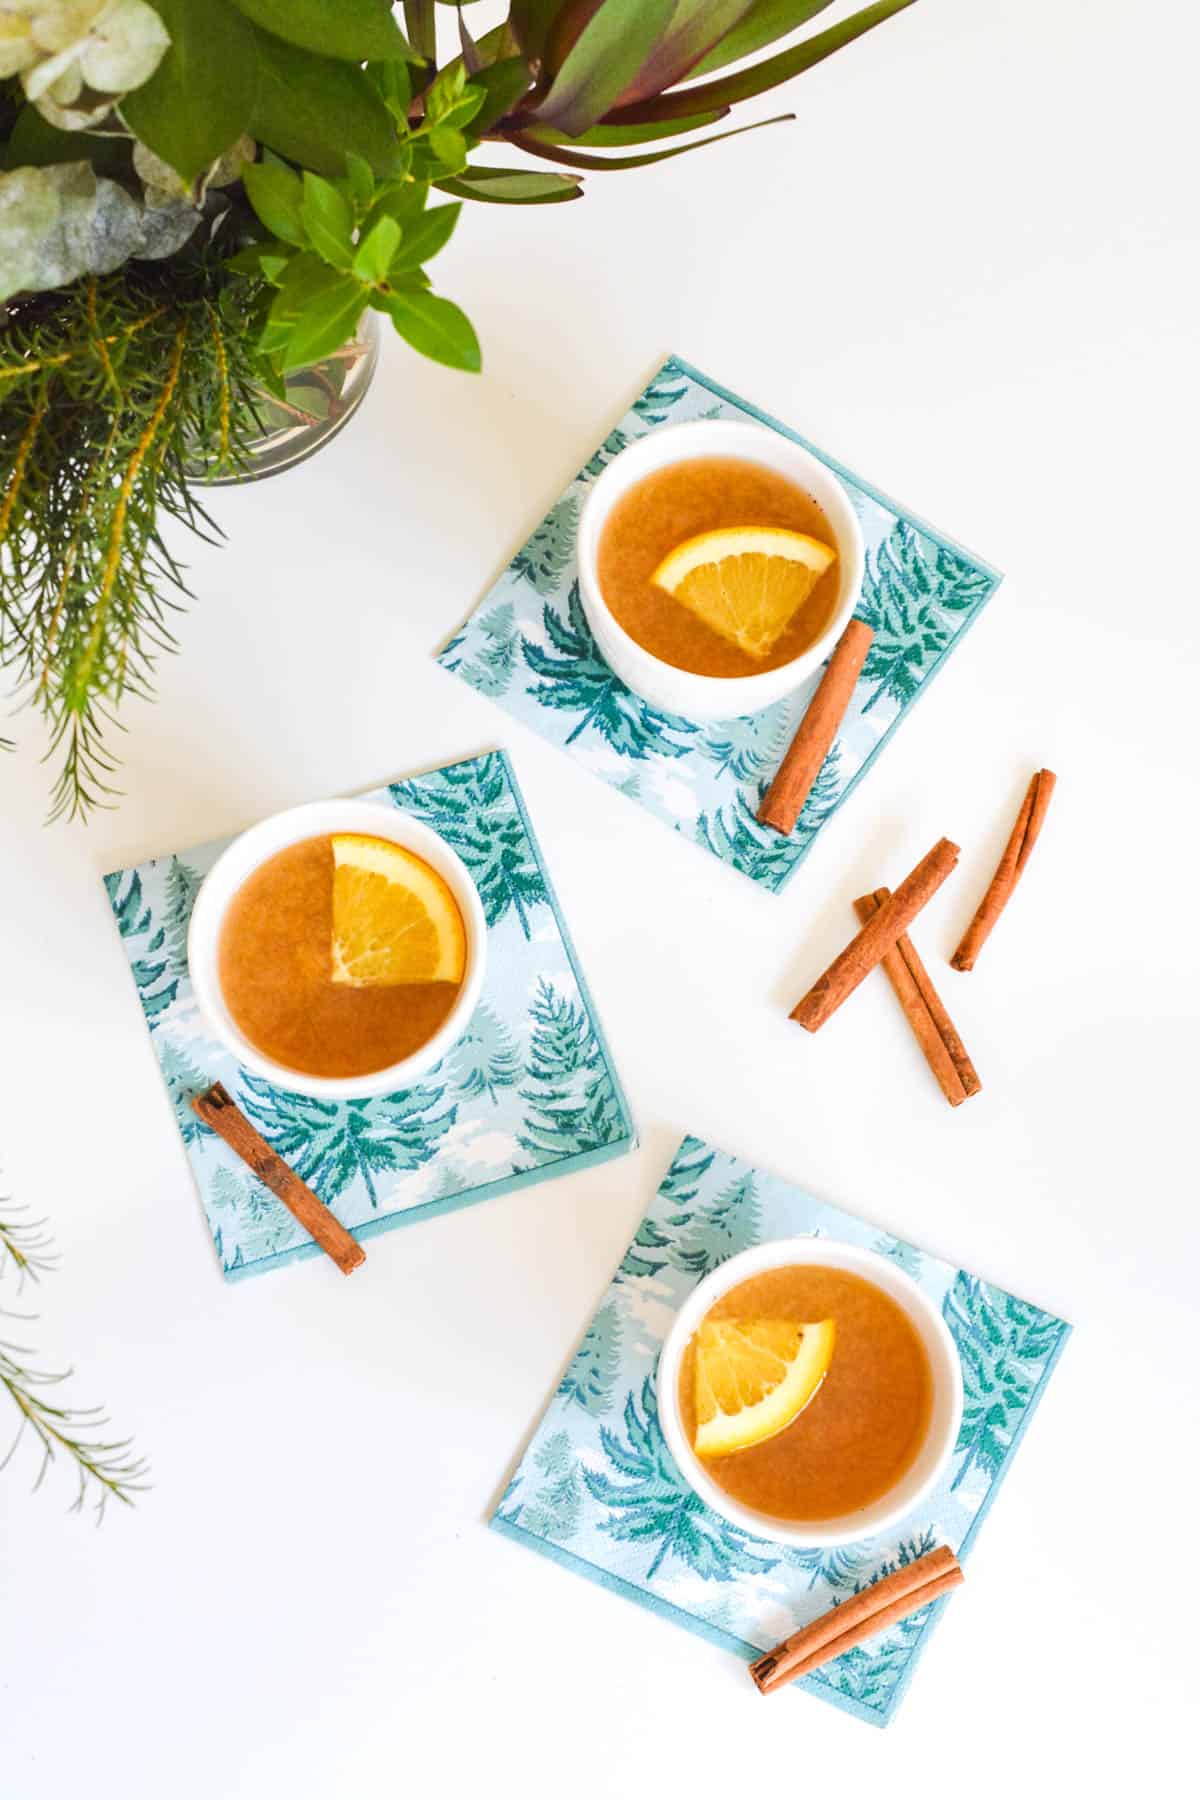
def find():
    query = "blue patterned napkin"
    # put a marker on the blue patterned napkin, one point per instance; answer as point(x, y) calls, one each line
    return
point(527, 645)
point(597, 1489)
point(529, 1092)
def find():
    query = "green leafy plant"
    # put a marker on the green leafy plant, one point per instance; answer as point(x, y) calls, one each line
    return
point(199, 198)
point(105, 1470)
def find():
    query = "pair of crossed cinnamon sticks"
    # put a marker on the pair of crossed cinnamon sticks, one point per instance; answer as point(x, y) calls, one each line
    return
point(885, 916)
point(882, 1604)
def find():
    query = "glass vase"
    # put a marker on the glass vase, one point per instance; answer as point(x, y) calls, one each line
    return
point(320, 399)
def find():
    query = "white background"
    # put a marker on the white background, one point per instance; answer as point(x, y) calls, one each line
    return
point(969, 270)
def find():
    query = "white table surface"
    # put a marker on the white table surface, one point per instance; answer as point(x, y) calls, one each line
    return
point(970, 271)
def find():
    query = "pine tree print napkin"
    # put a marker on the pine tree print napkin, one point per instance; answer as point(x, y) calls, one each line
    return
point(528, 1093)
point(528, 646)
point(597, 1489)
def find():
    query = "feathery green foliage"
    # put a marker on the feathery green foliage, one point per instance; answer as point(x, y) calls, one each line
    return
point(103, 389)
point(105, 1469)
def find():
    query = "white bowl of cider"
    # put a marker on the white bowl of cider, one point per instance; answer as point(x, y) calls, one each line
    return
point(810, 1392)
point(719, 563)
point(338, 949)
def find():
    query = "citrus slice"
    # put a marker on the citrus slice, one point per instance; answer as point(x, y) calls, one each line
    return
point(394, 918)
point(746, 582)
point(753, 1377)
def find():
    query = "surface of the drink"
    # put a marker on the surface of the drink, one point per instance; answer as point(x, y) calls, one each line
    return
point(275, 962)
point(664, 509)
point(866, 1423)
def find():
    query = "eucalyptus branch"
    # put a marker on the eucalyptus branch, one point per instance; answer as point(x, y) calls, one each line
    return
point(105, 1469)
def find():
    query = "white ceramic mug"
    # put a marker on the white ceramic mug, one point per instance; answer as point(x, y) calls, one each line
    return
point(678, 690)
point(247, 853)
point(945, 1417)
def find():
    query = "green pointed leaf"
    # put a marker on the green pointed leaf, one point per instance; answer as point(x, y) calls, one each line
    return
point(375, 253)
point(450, 148)
point(360, 181)
point(445, 91)
point(269, 262)
point(560, 153)
point(328, 221)
point(615, 137)
point(400, 200)
point(745, 83)
point(437, 328)
point(422, 28)
point(315, 304)
point(696, 25)
point(393, 83)
point(201, 97)
point(603, 60)
point(276, 194)
point(512, 187)
point(463, 111)
point(325, 325)
point(764, 23)
point(314, 111)
point(503, 85)
point(531, 21)
point(353, 30)
point(423, 240)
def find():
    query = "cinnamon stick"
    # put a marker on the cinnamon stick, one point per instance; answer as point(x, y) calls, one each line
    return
point(932, 1026)
point(229, 1122)
point(1011, 867)
point(784, 800)
point(897, 1595)
point(876, 938)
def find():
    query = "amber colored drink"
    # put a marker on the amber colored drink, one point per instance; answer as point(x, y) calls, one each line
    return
point(274, 961)
point(705, 493)
point(868, 1419)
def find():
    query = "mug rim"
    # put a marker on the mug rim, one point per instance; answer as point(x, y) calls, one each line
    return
point(885, 1512)
point(719, 696)
point(253, 847)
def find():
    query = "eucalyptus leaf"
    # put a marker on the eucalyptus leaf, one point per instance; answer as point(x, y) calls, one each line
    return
point(512, 187)
point(201, 97)
point(376, 251)
point(277, 195)
point(328, 221)
point(603, 60)
point(353, 30)
point(62, 222)
point(437, 328)
point(425, 238)
point(315, 110)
